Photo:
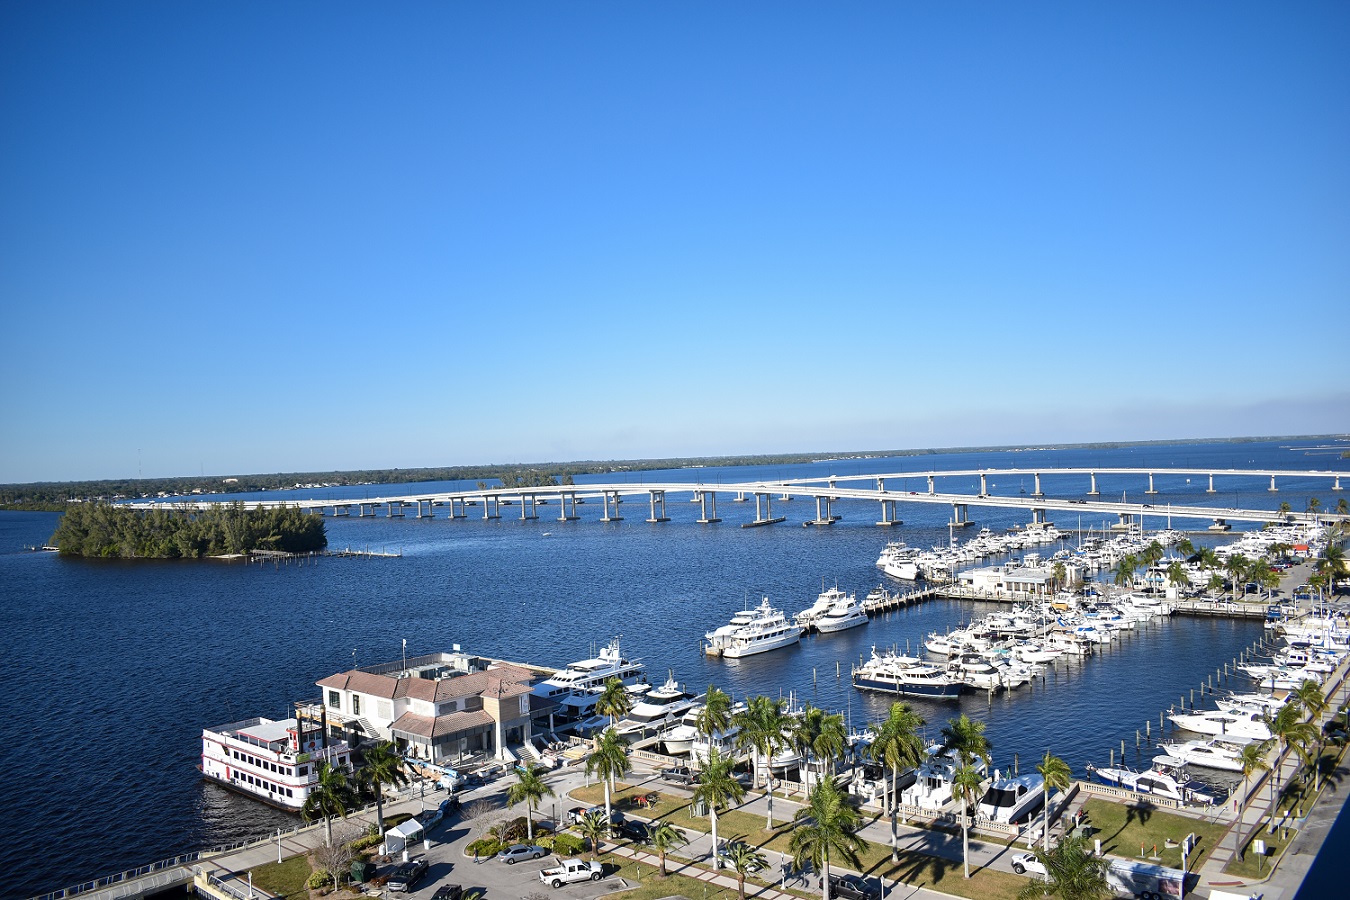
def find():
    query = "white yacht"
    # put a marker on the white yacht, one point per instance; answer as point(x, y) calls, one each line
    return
point(807, 618)
point(1012, 798)
point(274, 761)
point(1215, 753)
point(575, 690)
point(1167, 779)
point(752, 631)
point(657, 709)
point(845, 612)
point(1232, 721)
point(905, 675)
point(932, 787)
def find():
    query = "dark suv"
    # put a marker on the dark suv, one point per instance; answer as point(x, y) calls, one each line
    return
point(407, 875)
point(852, 887)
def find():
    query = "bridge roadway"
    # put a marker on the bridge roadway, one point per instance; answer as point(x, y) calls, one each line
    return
point(825, 491)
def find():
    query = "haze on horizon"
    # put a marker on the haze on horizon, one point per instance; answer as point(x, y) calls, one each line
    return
point(330, 236)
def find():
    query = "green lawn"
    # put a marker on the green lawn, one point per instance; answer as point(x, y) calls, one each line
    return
point(916, 869)
point(1122, 829)
point(285, 879)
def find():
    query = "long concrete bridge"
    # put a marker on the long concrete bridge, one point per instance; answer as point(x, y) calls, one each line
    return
point(825, 491)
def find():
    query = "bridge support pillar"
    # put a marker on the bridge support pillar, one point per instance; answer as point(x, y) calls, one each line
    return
point(763, 512)
point(1336, 485)
point(1038, 517)
point(1126, 522)
point(823, 517)
point(1211, 483)
point(345, 511)
point(532, 513)
point(888, 514)
point(431, 510)
point(562, 508)
point(984, 486)
point(395, 509)
point(656, 498)
point(1220, 525)
point(703, 498)
point(1151, 489)
point(740, 498)
point(785, 496)
point(491, 508)
point(605, 500)
point(932, 488)
point(1273, 488)
point(1093, 492)
point(463, 512)
point(1037, 492)
point(960, 515)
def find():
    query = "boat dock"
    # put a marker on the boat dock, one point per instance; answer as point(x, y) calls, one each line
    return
point(889, 601)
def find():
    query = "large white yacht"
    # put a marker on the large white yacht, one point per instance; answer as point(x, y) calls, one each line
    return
point(905, 675)
point(752, 631)
point(1012, 798)
point(808, 617)
point(932, 787)
point(575, 690)
point(1215, 753)
point(845, 612)
point(658, 709)
point(275, 761)
point(1234, 721)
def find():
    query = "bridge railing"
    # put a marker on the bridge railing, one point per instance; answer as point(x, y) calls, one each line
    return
point(107, 881)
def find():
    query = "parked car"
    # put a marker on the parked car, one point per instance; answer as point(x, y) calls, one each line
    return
point(679, 775)
point(448, 892)
point(853, 887)
point(570, 871)
point(407, 875)
point(725, 855)
point(521, 851)
point(633, 830)
point(1023, 863)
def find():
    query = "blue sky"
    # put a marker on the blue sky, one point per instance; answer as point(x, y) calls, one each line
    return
point(302, 236)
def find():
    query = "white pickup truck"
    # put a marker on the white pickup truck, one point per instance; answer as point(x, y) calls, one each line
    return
point(570, 871)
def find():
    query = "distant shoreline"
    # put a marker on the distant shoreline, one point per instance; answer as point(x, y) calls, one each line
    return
point(53, 496)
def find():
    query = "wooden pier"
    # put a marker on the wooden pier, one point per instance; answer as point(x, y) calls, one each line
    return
point(1225, 608)
point(888, 601)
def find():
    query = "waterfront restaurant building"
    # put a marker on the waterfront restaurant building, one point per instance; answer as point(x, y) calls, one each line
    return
point(439, 707)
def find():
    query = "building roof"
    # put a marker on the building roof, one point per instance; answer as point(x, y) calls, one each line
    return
point(501, 680)
point(430, 727)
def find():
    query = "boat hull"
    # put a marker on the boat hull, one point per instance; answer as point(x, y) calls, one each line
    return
point(916, 689)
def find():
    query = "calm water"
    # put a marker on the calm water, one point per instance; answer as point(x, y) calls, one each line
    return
point(112, 669)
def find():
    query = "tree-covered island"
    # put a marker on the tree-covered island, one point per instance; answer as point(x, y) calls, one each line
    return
point(110, 531)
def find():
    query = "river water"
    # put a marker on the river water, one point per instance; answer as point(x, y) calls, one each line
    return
point(113, 668)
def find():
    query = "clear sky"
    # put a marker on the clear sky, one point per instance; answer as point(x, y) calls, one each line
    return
point(255, 237)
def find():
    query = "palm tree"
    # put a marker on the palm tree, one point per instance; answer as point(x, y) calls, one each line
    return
point(1176, 573)
point(966, 737)
point(608, 760)
point(664, 837)
point(530, 788)
point(896, 744)
point(330, 796)
point(1059, 572)
point(1057, 774)
point(1151, 554)
point(1309, 695)
point(764, 728)
point(1318, 581)
point(1215, 585)
point(1333, 565)
point(1342, 507)
point(820, 735)
point(1314, 505)
point(382, 766)
point(1236, 567)
point(1072, 871)
point(826, 827)
point(594, 828)
point(715, 716)
point(717, 787)
point(1252, 758)
point(1284, 508)
point(1125, 570)
point(744, 859)
point(1289, 728)
point(1186, 548)
point(1264, 576)
point(967, 782)
point(614, 701)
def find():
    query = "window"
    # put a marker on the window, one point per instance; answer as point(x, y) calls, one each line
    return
point(335, 700)
point(356, 705)
point(302, 771)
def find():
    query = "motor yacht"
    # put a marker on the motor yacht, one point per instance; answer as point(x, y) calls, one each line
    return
point(752, 631)
point(905, 675)
point(845, 612)
point(1012, 798)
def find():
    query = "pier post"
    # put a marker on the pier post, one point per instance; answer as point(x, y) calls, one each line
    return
point(1150, 485)
point(1211, 483)
point(658, 498)
point(1094, 492)
point(703, 498)
point(1037, 492)
point(1273, 488)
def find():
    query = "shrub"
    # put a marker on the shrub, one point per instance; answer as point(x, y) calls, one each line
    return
point(365, 843)
point(485, 846)
point(512, 831)
point(565, 844)
point(318, 880)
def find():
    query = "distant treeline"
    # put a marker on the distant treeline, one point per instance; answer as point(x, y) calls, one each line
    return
point(111, 531)
point(55, 495)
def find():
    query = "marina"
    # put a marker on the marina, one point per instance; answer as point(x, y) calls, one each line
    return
point(502, 590)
